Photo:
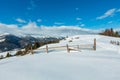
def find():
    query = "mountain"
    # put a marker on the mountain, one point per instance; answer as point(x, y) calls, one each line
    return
point(10, 42)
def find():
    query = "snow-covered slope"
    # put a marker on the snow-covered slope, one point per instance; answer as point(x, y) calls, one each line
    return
point(102, 64)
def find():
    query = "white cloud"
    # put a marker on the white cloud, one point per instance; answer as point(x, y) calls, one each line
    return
point(82, 25)
point(58, 23)
point(20, 20)
point(118, 10)
point(32, 5)
point(12, 28)
point(107, 14)
point(33, 28)
point(30, 28)
point(78, 18)
point(39, 20)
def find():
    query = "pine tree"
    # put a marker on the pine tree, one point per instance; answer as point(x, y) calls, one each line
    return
point(8, 55)
point(36, 45)
point(19, 53)
point(112, 32)
point(116, 34)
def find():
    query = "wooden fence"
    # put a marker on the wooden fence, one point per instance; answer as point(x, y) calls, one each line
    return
point(69, 47)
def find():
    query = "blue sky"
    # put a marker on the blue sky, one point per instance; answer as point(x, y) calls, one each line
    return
point(92, 14)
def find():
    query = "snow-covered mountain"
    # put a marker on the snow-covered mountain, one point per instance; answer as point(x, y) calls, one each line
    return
point(10, 42)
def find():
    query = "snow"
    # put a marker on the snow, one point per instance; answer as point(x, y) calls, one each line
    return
point(2, 40)
point(4, 34)
point(11, 52)
point(2, 37)
point(102, 64)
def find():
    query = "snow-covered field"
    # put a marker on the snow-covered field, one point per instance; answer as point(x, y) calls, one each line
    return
point(102, 64)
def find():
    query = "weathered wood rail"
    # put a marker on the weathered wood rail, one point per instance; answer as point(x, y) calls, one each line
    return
point(69, 48)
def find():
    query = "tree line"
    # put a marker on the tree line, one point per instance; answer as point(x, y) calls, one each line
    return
point(110, 32)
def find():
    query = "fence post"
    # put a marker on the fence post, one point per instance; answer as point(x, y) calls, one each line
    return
point(94, 44)
point(31, 50)
point(47, 48)
point(78, 47)
point(68, 50)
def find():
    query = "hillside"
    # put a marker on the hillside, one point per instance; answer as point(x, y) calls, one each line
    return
point(102, 64)
point(10, 42)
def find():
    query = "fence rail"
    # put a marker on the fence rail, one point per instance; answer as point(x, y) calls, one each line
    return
point(71, 47)
point(48, 49)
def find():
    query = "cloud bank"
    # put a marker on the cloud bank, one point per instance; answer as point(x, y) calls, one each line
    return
point(33, 29)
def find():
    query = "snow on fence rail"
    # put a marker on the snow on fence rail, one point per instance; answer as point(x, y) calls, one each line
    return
point(70, 47)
